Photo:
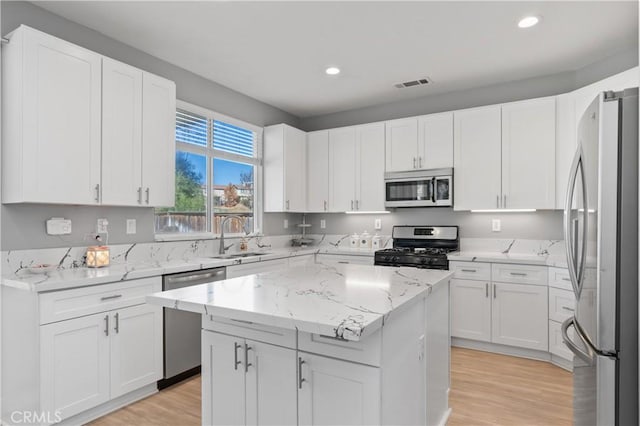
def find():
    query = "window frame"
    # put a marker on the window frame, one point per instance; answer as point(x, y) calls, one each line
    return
point(210, 153)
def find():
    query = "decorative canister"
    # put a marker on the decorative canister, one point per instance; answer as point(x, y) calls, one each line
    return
point(355, 241)
point(376, 242)
point(97, 256)
point(365, 240)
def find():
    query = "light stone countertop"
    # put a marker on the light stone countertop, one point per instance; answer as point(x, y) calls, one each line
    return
point(498, 257)
point(346, 301)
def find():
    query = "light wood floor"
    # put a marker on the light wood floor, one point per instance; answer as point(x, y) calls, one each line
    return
point(486, 389)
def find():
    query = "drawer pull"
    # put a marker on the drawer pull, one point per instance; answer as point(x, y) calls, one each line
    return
point(566, 308)
point(115, 296)
point(518, 274)
point(566, 279)
point(469, 270)
point(344, 262)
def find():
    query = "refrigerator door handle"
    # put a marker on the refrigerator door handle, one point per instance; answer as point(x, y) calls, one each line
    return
point(571, 260)
point(583, 355)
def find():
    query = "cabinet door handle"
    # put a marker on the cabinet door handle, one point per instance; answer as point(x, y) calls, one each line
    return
point(357, 205)
point(420, 162)
point(497, 201)
point(97, 193)
point(106, 325)
point(236, 346)
point(518, 274)
point(287, 204)
point(566, 308)
point(325, 205)
point(139, 195)
point(117, 326)
point(115, 296)
point(351, 204)
point(469, 270)
point(147, 194)
point(495, 293)
point(504, 203)
point(486, 290)
point(247, 348)
point(300, 379)
point(414, 162)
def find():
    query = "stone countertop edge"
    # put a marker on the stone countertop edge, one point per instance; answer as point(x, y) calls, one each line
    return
point(371, 321)
point(519, 258)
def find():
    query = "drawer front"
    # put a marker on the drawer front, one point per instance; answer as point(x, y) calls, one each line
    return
point(556, 345)
point(367, 351)
point(234, 271)
point(333, 259)
point(562, 304)
point(519, 274)
point(559, 278)
point(66, 304)
point(471, 270)
point(250, 330)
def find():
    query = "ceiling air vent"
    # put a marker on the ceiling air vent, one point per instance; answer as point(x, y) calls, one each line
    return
point(413, 83)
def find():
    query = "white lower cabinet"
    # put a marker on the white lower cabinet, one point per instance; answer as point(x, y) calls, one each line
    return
point(89, 360)
point(470, 310)
point(339, 259)
point(247, 382)
point(519, 315)
point(74, 363)
point(508, 313)
point(332, 391)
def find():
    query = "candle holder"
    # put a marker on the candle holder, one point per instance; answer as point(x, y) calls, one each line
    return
point(97, 256)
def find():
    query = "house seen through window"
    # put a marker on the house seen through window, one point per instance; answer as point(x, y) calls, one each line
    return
point(216, 162)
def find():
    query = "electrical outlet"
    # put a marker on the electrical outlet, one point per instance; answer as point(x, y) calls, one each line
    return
point(495, 225)
point(377, 224)
point(101, 226)
point(323, 224)
point(131, 226)
point(286, 224)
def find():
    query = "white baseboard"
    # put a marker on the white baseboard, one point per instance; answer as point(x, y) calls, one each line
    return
point(110, 406)
point(562, 362)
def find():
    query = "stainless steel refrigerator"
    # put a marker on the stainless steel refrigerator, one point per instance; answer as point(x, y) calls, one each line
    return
point(601, 235)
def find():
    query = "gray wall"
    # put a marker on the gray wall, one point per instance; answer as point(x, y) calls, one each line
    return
point(504, 92)
point(23, 226)
point(539, 225)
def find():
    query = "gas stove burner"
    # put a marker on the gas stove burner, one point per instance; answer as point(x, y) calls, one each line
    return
point(421, 247)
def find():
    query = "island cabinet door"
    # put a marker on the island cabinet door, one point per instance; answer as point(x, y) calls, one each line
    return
point(223, 379)
point(74, 364)
point(331, 391)
point(136, 348)
point(270, 384)
point(471, 309)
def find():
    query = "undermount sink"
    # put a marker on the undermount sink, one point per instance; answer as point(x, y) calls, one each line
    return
point(237, 255)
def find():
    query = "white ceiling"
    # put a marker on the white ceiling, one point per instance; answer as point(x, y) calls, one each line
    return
point(277, 51)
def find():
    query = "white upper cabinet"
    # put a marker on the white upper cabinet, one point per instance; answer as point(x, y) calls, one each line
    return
point(528, 154)
point(318, 171)
point(342, 169)
point(284, 169)
point(80, 128)
point(121, 133)
point(477, 158)
point(370, 167)
point(401, 145)
point(435, 141)
point(51, 120)
point(158, 141)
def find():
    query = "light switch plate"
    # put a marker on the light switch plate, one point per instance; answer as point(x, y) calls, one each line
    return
point(58, 226)
point(323, 224)
point(101, 226)
point(286, 224)
point(377, 224)
point(496, 225)
point(131, 226)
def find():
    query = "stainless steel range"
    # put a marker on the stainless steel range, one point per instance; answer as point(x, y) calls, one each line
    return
point(420, 246)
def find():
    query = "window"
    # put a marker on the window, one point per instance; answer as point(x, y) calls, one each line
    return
point(217, 163)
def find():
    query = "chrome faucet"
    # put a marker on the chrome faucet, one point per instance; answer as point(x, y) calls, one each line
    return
point(224, 221)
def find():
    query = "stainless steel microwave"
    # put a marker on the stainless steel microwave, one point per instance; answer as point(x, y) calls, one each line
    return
point(422, 188)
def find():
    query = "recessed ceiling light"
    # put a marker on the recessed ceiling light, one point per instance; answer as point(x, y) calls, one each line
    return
point(528, 21)
point(332, 71)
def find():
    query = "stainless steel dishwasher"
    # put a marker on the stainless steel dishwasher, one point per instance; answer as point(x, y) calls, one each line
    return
point(182, 329)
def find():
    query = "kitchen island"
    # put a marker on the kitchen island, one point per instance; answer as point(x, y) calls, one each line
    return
point(320, 344)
